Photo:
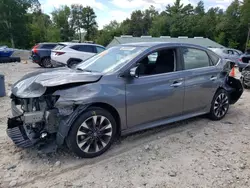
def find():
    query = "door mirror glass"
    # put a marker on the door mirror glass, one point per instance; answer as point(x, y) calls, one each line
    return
point(134, 72)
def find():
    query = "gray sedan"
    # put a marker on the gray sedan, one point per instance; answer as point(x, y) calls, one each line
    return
point(124, 89)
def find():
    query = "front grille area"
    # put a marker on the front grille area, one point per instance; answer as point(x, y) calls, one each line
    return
point(17, 133)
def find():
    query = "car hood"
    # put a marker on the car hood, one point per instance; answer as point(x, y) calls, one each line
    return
point(34, 84)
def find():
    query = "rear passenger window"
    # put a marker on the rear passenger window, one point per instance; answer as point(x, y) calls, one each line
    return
point(194, 58)
point(99, 49)
point(59, 46)
point(86, 48)
point(48, 46)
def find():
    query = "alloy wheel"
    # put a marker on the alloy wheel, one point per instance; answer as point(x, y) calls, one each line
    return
point(94, 134)
point(47, 63)
point(221, 105)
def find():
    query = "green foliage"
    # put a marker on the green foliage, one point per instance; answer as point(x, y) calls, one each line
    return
point(89, 22)
point(23, 24)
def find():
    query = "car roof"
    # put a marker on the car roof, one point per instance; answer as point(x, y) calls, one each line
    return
point(76, 43)
point(48, 43)
point(159, 44)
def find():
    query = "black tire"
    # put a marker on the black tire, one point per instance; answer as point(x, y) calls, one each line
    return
point(73, 63)
point(244, 85)
point(240, 69)
point(220, 105)
point(46, 63)
point(92, 142)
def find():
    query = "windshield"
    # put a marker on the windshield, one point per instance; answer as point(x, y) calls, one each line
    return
point(111, 59)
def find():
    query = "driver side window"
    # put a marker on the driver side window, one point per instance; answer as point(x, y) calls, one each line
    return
point(159, 62)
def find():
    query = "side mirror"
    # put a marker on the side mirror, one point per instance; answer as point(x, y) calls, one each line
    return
point(134, 72)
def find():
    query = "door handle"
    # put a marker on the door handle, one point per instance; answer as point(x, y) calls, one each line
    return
point(176, 84)
point(213, 78)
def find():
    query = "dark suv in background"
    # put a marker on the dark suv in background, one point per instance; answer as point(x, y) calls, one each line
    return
point(40, 54)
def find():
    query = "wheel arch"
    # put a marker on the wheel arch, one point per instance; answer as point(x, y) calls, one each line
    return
point(111, 110)
point(74, 59)
point(66, 124)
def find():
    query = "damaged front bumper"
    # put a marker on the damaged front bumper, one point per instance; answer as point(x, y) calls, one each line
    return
point(39, 121)
point(33, 120)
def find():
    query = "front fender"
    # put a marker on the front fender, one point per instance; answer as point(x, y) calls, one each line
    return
point(66, 122)
point(74, 101)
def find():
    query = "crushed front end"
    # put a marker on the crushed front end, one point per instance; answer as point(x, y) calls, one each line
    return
point(34, 120)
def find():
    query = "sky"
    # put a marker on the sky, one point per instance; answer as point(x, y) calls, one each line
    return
point(108, 10)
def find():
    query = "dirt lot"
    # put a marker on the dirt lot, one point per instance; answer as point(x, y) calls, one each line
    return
point(193, 153)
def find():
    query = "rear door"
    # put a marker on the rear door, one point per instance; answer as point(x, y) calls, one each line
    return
point(201, 80)
point(86, 51)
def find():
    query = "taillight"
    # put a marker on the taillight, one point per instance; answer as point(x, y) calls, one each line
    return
point(60, 53)
point(34, 49)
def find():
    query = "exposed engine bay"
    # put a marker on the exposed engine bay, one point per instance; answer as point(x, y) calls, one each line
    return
point(34, 119)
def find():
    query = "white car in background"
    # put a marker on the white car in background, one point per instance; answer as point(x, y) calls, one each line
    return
point(71, 54)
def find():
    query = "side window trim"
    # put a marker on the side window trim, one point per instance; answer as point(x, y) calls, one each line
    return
point(213, 63)
point(177, 66)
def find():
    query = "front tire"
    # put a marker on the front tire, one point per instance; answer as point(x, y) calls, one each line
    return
point(92, 133)
point(220, 105)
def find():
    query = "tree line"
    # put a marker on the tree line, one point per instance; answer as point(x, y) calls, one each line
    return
point(23, 24)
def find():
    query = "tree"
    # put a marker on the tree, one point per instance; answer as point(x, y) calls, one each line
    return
point(89, 22)
point(76, 18)
point(13, 19)
point(160, 26)
point(136, 23)
point(60, 18)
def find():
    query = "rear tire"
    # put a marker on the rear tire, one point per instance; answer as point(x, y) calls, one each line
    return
point(46, 63)
point(244, 85)
point(92, 133)
point(220, 105)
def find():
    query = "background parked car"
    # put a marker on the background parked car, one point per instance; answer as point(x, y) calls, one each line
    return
point(228, 53)
point(40, 54)
point(244, 60)
point(73, 53)
point(245, 76)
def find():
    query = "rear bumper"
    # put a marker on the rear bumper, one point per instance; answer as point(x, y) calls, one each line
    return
point(35, 59)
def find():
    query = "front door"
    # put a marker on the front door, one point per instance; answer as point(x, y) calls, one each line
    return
point(157, 93)
point(201, 80)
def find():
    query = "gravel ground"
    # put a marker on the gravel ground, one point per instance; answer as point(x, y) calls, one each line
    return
point(192, 153)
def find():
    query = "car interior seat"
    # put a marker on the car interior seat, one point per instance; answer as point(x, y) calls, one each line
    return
point(165, 62)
